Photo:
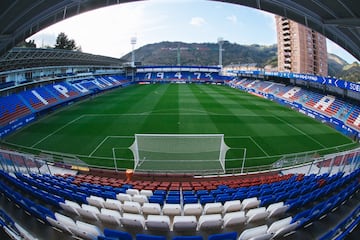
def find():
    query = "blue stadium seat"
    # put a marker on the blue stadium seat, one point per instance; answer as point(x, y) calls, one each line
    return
point(187, 238)
point(188, 192)
point(206, 199)
point(190, 199)
point(149, 237)
point(223, 236)
point(116, 234)
point(156, 199)
point(173, 199)
point(223, 198)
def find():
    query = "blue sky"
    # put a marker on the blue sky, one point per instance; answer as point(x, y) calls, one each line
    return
point(107, 31)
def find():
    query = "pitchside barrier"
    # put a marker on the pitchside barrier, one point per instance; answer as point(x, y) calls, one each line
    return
point(11, 161)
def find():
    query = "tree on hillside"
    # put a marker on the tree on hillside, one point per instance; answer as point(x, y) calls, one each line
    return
point(63, 42)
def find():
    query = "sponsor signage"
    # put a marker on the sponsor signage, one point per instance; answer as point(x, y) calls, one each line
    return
point(16, 124)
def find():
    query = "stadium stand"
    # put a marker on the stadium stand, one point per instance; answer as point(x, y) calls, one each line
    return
point(37, 99)
point(12, 108)
point(305, 200)
point(324, 104)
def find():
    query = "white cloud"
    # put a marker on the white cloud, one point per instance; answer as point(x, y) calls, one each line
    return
point(197, 21)
point(232, 19)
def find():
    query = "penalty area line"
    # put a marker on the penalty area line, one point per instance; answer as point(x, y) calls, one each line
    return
point(104, 140)
point(253, 140)
point(57, 130)
point(300, 131)
point(98, 146)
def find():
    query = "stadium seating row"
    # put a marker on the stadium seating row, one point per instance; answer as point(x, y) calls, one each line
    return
point(162, 223)
point(8, 225)
point(184, 185)
point(343, 228)
point(285, 190)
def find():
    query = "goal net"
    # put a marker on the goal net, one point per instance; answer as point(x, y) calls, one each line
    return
point(179, 152)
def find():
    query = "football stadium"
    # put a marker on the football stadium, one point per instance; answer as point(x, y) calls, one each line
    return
point(95, 149)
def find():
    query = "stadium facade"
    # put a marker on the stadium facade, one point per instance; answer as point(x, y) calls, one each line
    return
point(300, 49)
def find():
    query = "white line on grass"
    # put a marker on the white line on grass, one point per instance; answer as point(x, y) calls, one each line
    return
point(104, 140)
point(59, 129)
point(97, 147)
point(300, 131)
point(259, 146)
point(253, 140)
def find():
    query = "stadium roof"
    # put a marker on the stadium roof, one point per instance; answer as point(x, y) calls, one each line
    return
point(20, 58)
point(338, 20)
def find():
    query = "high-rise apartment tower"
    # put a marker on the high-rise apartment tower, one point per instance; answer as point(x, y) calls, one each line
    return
point(300, 49)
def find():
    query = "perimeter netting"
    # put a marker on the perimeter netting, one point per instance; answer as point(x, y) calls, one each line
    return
point(179, 152)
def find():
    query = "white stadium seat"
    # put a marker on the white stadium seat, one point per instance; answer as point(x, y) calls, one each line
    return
point(212, 208)
point(256, 214)
point(89, 212)
point(250, 203)
point(70, 206)
point(96, 201)
point(276, 226)
point(158, 222)
point(151, 208)
point(133, 221)
point(123, 197)
point(250, 233)
point(146, 192)
point(277, 209)
point(131, 207)
point(287, 228)
point(184, 223)
point(113, 204)
point(85, 230)
point(132, 191)
point(140, 199)
point(62, 222)
point(234, 219)
point(193, 209)
point(109, 216)
point(232, 206)
point(210, 222)
point(171, 209)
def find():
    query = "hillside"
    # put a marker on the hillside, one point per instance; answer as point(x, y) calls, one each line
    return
point(165, 53)
point(207, 54)
point(341, 69)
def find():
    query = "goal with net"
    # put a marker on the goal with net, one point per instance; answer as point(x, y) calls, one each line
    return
point(179, 152)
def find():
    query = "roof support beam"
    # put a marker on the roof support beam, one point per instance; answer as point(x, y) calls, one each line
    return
point(346, 22)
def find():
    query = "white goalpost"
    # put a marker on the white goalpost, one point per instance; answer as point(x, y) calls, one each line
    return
point(179, 152)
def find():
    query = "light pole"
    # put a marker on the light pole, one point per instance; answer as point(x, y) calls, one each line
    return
point(220, 42)
point(133, 42)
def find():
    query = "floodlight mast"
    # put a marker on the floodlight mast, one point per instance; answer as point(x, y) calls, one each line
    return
point(133, 43)
point(220, 41)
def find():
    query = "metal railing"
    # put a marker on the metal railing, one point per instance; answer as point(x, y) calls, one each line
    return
point(12, 161)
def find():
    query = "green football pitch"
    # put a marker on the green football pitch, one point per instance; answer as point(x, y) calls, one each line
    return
point(98, 129)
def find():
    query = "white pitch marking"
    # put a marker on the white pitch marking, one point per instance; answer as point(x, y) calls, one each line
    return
point(59, 129)
point(300, 131)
